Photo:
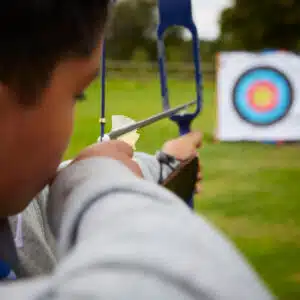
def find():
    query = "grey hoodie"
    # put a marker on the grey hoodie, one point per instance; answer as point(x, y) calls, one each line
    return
point(131, 239)
point(36, 246)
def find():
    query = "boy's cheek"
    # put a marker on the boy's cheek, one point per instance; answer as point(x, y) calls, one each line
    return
point(59, 136)
point(50, 134)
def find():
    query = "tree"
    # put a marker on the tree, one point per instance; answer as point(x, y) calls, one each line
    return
point(259, 24)
point(140, 55)
point(132, 28)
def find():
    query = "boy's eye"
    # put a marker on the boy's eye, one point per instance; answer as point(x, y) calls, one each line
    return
point(80, 97)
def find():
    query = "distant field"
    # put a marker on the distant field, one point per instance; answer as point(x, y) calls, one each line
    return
point(251, 191)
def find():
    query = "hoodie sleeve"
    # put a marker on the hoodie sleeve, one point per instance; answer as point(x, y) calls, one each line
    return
point(127, 238)
point(150, 166)
point(148, 163)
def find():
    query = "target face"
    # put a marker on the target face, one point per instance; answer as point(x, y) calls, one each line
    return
point(262, 96)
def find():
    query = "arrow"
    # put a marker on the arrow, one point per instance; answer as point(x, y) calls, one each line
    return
point(138, 125)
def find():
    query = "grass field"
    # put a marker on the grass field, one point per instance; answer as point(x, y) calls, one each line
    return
point(250, 190)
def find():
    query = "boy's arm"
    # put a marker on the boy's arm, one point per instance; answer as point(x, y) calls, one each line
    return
point(148, 163)
point(180, 148)
point(131, 239)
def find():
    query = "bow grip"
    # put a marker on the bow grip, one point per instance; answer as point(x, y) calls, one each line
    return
point(183, 180)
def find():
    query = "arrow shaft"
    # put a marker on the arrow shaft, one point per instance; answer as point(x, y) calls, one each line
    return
point(138, 125)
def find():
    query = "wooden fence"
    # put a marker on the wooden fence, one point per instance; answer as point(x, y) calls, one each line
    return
point(147, 70)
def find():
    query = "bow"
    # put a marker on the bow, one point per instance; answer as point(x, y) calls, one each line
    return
point(171, 13)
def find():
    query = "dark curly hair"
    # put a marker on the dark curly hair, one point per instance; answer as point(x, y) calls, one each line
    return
point(37, 34)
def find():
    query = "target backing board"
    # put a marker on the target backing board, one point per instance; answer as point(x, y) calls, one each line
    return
point(258, 96)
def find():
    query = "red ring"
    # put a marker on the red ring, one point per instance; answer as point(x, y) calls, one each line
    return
point(273, 102)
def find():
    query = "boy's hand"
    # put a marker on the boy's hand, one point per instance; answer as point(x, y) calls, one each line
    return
point(117, 150)
point(186, 147)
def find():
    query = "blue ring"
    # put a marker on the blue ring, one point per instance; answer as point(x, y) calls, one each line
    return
point(249, 78)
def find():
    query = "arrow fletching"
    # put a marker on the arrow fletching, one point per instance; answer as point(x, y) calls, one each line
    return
point(131, 138)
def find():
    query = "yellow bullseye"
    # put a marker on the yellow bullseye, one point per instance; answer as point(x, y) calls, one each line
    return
point(262, 96)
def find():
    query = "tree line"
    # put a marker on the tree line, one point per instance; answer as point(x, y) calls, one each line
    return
point(251, 25)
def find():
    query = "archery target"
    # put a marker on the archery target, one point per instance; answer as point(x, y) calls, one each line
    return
point(258, 96)
point(262, 96)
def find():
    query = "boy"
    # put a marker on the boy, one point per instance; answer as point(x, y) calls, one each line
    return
point(118, 235)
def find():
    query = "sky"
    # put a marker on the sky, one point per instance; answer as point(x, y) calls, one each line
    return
point(206, 15)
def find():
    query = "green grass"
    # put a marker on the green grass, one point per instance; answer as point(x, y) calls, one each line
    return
point(250, 192)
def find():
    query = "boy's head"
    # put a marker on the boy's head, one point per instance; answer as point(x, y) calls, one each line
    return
point(50, 52)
